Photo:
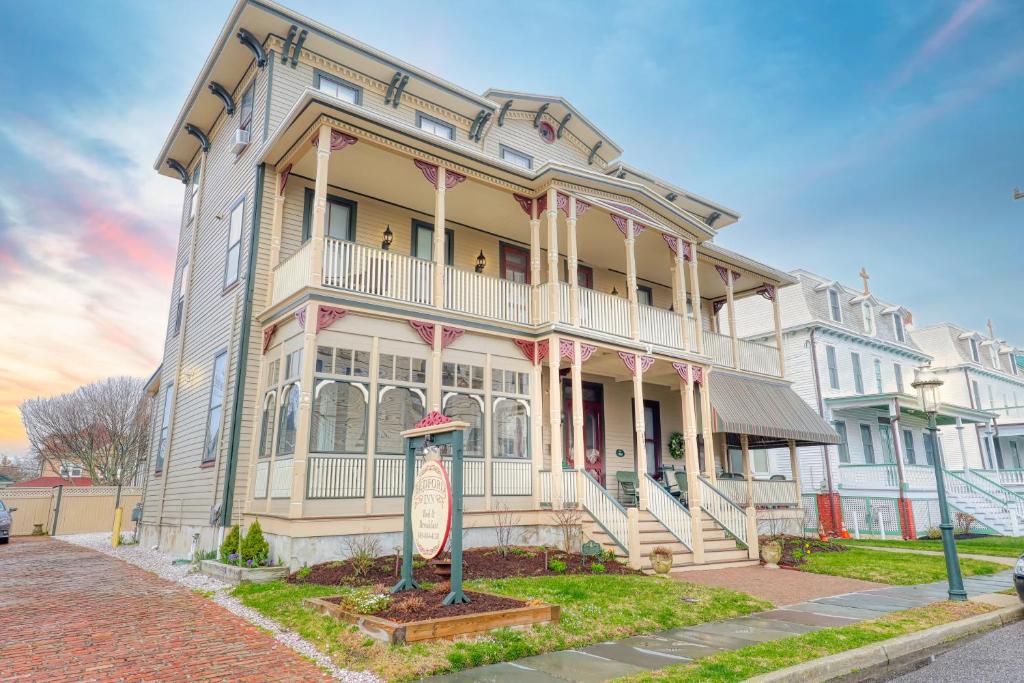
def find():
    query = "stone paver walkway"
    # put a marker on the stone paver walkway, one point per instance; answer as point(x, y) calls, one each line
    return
point(777, 586)
point(72, 614)
point(606, 661)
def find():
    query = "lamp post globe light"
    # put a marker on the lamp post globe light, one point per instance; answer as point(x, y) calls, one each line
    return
point(928, 384)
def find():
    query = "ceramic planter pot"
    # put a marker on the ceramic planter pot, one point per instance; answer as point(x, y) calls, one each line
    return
point(661, 563)
point(771, 553)
point(442, 569)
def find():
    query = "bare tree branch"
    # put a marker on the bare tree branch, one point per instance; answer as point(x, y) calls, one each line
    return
point(103, 427)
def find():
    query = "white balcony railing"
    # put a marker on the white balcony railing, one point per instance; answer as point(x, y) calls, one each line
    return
point(718, 347)
point(1006, 477)
point(487, 297)
point(767, 493)
point(387, 274)
point(292, 274)
point(660, 326)
point(760, 358)
point(604, 313)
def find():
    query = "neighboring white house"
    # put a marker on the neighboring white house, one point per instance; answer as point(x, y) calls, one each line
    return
point(853, 356)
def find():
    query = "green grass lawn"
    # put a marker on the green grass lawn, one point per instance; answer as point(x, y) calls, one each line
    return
point(594, 608)
point(739, 665)
point(999, 546)
point(902, 569)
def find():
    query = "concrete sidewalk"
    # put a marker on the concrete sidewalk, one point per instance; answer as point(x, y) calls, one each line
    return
point(606, 661)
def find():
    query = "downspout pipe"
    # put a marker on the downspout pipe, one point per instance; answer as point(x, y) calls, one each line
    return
point(821, 411)
point(243, 355)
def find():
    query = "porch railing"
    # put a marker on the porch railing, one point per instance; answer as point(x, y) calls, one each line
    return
point(718, 347)
point(511, 477)
point(767, 493)
point(569, 487)
point(487, 297)
point(331, 476)
point(604, 312)
point(667, 509)
point(606, 511)
point(723, 510)
point(292, 274)
point(757, 357)
point(660, 326)
point(389, 476)
point(886, 476)
point(387, 274)
point(1005, 477)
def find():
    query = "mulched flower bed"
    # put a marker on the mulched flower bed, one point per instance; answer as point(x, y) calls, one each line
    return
point(796, 549)
point(417, 605)
point(478, 563)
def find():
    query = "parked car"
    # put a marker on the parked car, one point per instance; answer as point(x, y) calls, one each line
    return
point(1018, 577)
point(5, 522)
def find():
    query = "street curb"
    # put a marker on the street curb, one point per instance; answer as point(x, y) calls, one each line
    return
point(889, 652)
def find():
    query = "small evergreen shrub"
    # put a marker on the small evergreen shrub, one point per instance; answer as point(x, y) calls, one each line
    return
point(255, 549)
point(229, 548)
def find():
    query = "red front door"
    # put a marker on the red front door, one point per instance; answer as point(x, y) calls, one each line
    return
point(593, 430)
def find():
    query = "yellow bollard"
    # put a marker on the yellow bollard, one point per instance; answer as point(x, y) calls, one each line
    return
point(115, 537)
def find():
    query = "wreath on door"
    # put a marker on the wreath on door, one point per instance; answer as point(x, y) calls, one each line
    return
point(676, 446)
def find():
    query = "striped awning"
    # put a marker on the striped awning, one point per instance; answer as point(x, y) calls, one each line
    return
point(767, 409)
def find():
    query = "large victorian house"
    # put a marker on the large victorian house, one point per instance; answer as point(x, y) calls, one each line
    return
point(852, 357)
point(364, 243)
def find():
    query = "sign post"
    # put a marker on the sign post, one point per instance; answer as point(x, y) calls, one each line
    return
point(433, 504)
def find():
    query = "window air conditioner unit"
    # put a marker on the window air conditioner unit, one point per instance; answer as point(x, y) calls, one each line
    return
point(241, 140)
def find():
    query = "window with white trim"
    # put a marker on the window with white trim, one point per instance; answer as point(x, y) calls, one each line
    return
point(245, 107)
point(833, 367)
point(834, 308)
point(401, 399)
point(858, 376)
point(929, 447)
point(192, 193)
point(1015, 453)
point(463, 398)
point(975, 354)
point(234, 255)
point(993, 355)
point(868, 444)
point(179, 308)
point(341, 401)
point(68, 469)
point(335, 87)
point(288, 417)
point(867, 313)
point(267, 424)
point(899, 327)
point(510, 419)
point(908, 447)
point(517, 158)
point(434, 126)
point(214, 412)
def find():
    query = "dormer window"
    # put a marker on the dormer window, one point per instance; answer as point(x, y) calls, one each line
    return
point(834, 309)
point(975, 353)
point(867, 313)
point(335, 87)
point(1013, 366)
point(897, 323)
point(435, 127)
point(518, 158)
point(993, 354)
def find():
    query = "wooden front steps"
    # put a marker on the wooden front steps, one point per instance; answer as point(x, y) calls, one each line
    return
point(720, 549)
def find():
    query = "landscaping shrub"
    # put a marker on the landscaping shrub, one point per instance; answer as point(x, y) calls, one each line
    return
point(964, 522)
point(230, 546)
point(255, 549)
point(363, 552)
point(597, 568)
point(557, 566)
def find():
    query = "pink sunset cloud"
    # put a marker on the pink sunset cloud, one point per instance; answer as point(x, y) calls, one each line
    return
point(943, 37)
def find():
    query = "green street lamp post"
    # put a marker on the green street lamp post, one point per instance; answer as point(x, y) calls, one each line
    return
point(928, 384)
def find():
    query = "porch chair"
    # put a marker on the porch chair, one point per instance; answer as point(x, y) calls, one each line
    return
point(684, 497)
point(628, 488)
point(777, 477)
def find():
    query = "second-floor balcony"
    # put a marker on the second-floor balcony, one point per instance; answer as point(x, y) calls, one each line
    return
point(542, 255)
point(377, 273)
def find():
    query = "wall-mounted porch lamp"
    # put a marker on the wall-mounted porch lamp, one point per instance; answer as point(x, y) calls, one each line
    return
point(481, 262)
point(615, 290)
point(389, 237)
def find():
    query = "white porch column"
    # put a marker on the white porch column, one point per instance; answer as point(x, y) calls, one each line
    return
point(777, 318)
point(572, 265)
point(555, 422)
point(730, 299)
point(794, 468)
point(434, 375)
point(634, 305)
point(323, 158)
point(438, 247)
point(579, 447)
point(679, 292)
point(692, 462)
point(710, 460)
point(304, 421)
point(640, 430)
point(553, 279)
point(275, 234)
point(536, 425)
point(698, 313)
point(750, 510)
point(535, 262)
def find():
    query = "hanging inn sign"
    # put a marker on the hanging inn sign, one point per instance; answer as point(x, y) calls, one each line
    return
point(433, 501)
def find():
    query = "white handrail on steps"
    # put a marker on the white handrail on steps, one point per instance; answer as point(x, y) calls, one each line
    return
point(667, 509)
point(1013, 501)
point(606, 511)
point(723, 510)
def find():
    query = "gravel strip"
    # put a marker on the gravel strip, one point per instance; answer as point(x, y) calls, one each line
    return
point(160, 564)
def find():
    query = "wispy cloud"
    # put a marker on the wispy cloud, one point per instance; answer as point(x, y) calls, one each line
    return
point(941, 39)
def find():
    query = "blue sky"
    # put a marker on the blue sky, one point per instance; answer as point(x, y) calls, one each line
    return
point(878, 134)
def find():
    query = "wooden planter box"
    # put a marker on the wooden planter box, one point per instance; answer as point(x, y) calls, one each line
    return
point(442, 628)
point(235, 575)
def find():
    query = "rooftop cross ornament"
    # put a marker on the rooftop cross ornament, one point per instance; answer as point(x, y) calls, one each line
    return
point(865, 277)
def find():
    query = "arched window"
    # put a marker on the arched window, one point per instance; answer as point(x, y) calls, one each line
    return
point(288, 421)
point(398, 409)
point(868, 314)
point(468, 408)
point(511, 428)
point(267, 424)
point(338, 421)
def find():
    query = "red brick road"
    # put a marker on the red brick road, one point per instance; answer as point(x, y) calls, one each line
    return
point(72, 614)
